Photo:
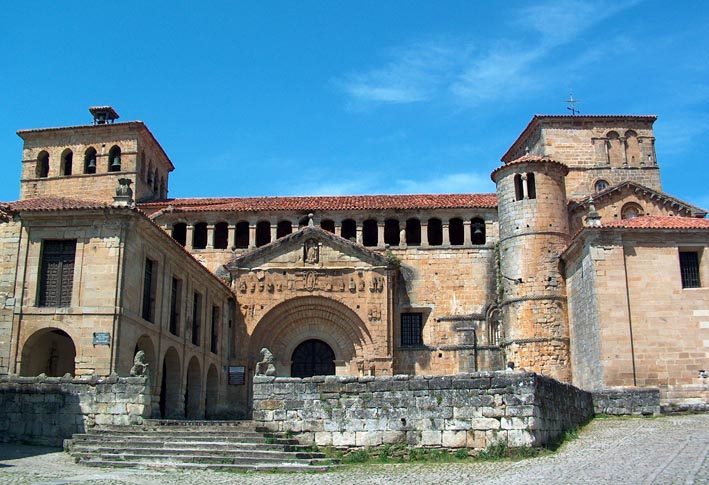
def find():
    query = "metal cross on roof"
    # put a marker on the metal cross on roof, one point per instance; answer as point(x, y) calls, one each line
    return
point(572, 102)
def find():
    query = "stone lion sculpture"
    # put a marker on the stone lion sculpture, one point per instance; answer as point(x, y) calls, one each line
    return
point(140, 367)
point(266, 367)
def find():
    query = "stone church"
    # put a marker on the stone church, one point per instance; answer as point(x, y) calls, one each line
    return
point(579, 267)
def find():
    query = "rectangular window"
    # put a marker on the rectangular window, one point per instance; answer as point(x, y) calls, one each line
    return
point(149, 290)
point(56, 280)
point(689, 269)
point(175, 306)
point(411, 329)
point(215, 330)
point(196, 318)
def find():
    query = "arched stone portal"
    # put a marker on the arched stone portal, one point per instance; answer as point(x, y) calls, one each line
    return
point(49, 351)
point(193, 391)
point(298, 320)
point(312, 358)
point(171, 404)
point(212, 394)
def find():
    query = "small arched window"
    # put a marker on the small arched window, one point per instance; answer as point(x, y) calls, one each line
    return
point(199, 236)
point(615, 149)
point(531, 186)
point(349, 230)
point(179, 233)
point(413, 232)
point(142, 166)
point(369, 233)
point(263, 233)
point(156, 181)
point(221, 235)
point(241, 240)
point(114, 159)
point(632, 149)
point(391, 232)
point(631, 210)
point(477, 231)
point(600, 185)
point(90, 160)
point(456, 232)
point(149, 175)
point(435, 232)
point(283, 229)
point(67, 162)
point(328, 225)
point(494, 328)
point(42, 169)
point(519, 192)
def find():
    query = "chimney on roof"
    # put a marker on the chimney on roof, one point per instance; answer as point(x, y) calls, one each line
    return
point(103, 114)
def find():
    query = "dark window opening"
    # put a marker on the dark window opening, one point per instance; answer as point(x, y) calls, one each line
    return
point(411, 329)
point(67, 161)
point(413, 232)
point(689, 269)
point(114, 159)
point(313, 358)
point(263, 233)
point(391, 232)
point(601, 185)
point(196, 318)
point(369, 233)
point(90, 160)
point(156, 181)
point(328, 225)
point(283, 229)
point(175, 306)
point(349, 230)
point(149, 289)
point(43, 165)
point(477, 231)
point(221, 235)
point(435, 232)
point(531, 186)
point(214, 341)
point(199, 236)
point(179, 233)
point(519, 192)
point(57, 276)
point(242, 235)
point(456, 231)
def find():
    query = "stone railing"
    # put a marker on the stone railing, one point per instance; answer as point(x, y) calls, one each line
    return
point(474, 410)
point(47, 410)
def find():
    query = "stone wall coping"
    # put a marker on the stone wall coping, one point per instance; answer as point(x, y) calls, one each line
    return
point(397, 377)
point(68, 379)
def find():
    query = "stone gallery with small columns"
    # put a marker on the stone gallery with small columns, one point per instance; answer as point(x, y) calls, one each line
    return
point(579, 267)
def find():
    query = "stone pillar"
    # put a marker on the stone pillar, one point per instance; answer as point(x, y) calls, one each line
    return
point(467, 241)
point(274, 232)
point(525, 194)
point(252, 235)
point(424, 233)
point(624, 149)
point(210, 236)
point(231, 236)
point(338, 229)
point(446, 234)
point(188, 236)
point(359, 233)
point(380, 234)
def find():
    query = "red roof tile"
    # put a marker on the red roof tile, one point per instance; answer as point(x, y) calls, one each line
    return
point(55, 203)
point(528, 158)
point(658, 222)
point(331, 203)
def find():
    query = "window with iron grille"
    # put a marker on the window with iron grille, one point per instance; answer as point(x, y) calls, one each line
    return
point(175, 306)
point(196, 318)
point(215, 330)
point(57, 273)
point(149, 290)
point(689, 269)
point(411, 329)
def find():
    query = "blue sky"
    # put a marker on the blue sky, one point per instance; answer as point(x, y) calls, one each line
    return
point(334, 97)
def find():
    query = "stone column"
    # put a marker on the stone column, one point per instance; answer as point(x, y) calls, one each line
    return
point(252, 235)
point(446, 234)
point(380, 234)
point(359, 233)
point(210, 236)
point(231, 236)
point(338, 229)
point(424, 233)
point(624, 150)
point(188, 236)
point(467, 241)
point(525, 195)
point(274, 232)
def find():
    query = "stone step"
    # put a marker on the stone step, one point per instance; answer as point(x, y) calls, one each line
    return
point(198, 422)
point(203, 459)
point(167, 433)
point(289, 467)
point(198, 451)
point(130, 439)
point(183, 444)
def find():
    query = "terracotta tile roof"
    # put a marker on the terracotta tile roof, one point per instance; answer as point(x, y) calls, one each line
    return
point(528, 158)
point(329, 203)
point(55, 203)
point(658, 222)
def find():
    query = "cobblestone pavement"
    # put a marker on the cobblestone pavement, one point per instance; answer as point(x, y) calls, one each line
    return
point(665, 450)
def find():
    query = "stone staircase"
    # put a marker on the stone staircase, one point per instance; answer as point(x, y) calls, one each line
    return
point(216, 445)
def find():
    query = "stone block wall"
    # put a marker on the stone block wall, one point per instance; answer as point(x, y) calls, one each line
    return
point(624, 401)
point(474, 410)
point(47, 410)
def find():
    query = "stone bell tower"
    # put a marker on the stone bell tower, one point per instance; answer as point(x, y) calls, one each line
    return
point(87, 161)
point(533, 232)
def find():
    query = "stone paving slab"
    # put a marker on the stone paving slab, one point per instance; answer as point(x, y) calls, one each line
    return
point(664, 450)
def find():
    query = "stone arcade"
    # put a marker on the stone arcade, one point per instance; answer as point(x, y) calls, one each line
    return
point(580, 268)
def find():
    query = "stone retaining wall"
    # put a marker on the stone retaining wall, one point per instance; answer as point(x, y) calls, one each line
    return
point(623, 401)
point(47, 410)
point(473, 410)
